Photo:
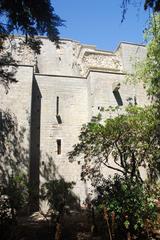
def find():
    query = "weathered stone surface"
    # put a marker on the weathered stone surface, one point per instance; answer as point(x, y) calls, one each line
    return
point(99, 61)
point(83, 79)
point(19, 51)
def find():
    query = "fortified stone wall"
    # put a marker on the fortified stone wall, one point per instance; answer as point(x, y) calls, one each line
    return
point(18, 99)
point(72, 83)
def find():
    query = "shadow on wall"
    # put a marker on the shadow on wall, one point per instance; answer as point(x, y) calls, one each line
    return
point(56, 191)
point(55, 185)
point(14, 160)
point(34, 147)
point(14, 156)
point(14, 166)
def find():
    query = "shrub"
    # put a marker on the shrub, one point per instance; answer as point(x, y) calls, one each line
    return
point(134, 207)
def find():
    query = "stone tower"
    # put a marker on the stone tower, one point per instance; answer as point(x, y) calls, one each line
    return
point(60, 90)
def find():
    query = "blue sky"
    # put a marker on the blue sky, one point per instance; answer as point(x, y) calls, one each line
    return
point(99, 22)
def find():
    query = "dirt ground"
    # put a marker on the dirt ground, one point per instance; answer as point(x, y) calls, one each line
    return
point(73, 226)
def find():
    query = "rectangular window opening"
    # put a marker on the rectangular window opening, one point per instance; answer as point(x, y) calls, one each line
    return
point(59, 120)
point(118, 98)
point(57, 106)
point(1, 121)
point(58, 146)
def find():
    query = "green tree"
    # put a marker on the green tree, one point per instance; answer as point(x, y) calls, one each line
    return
point(131, 204)
point(13, 164)
point(148, 71)
point(154, 5)
point(123, 143)
point(29, 18)
point(14, 191)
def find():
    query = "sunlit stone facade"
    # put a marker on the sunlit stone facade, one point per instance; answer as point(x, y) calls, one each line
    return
point(60, 90)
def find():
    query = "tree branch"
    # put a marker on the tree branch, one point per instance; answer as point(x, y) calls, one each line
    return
point(113, 168)
point(120, 154)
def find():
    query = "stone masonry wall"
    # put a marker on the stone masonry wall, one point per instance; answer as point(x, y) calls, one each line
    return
point(78, 80)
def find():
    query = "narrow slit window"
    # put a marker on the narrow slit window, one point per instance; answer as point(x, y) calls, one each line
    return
point(59, 119)
point(58, 146)
point(1, 121)
point(115, 88)
point(57, 106)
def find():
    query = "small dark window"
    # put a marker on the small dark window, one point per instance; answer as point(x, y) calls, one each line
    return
point(42, 163)
point(115, 87)
point(1, 121)
point(118, 98)
point(135, 100)
point(59, 120)
point(58, 146)
point(57, 106)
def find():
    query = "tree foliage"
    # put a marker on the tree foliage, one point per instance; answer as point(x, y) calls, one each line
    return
point(13, 199)
point(123, 143)
point(148, 71)
point(29, 17)
point(131, 202)
point(126, 143)
point(154, 5)
point(13, 164)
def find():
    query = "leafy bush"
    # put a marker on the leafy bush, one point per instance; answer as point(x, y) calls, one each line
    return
point(124, 142)
point(5, 213)
point(13, 198)
point(16, 192)
point(5, 216)
point(134, 207)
